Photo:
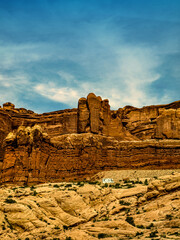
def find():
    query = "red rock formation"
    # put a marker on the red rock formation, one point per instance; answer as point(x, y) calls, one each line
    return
point(77, 143)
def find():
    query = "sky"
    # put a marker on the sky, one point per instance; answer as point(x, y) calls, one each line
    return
point(52, 52)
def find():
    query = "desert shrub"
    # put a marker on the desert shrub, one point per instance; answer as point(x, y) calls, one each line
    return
point(127, 210)
point(122, 202)
point(56, 227)
point(153, 234)
point(56, 186)
point(34, 193)
point(176, 233)
point(150, 226)
point(32, 188)
point(169, 216)
point(146, 182)
point(138, 182)
point(105, 219)
point(68, 185)
point(140, 226)
point(102, 235)
point(128, 185)
point(65, 227)
point(130, 220)
point(68, 238)
point(139, 233)
point(10, 200)
point(117, 185)
point(93, 183)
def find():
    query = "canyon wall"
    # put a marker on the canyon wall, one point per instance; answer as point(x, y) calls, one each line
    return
point(74, 144)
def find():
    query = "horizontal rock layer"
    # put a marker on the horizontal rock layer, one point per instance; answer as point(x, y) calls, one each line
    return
point(31, 157)
point(76, 143)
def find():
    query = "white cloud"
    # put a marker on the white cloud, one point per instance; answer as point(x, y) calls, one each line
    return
point(119, 71)
point(64, 94)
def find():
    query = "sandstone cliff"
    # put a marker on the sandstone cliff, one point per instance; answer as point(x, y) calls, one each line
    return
point(76, 143)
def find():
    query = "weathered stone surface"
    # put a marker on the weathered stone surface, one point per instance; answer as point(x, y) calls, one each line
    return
point(76, 143)
point(168, 124)
point(92, 211)
point(94, 105)
point(5, 128)
point(83, 116)
point(8, 105)
point(30, 156)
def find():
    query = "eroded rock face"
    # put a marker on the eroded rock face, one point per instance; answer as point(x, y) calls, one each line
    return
point(92, 211)
point(5, 128)
point(32, 157)
point(76, 143)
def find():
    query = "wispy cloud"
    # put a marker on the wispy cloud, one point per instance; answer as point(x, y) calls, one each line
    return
point(64, 51)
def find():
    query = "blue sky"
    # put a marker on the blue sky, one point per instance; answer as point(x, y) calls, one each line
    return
point(52, 52)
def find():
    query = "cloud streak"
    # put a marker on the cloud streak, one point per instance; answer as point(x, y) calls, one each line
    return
point(64, 51)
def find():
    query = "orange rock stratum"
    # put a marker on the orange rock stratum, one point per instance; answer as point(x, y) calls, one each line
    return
point(74, 144)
